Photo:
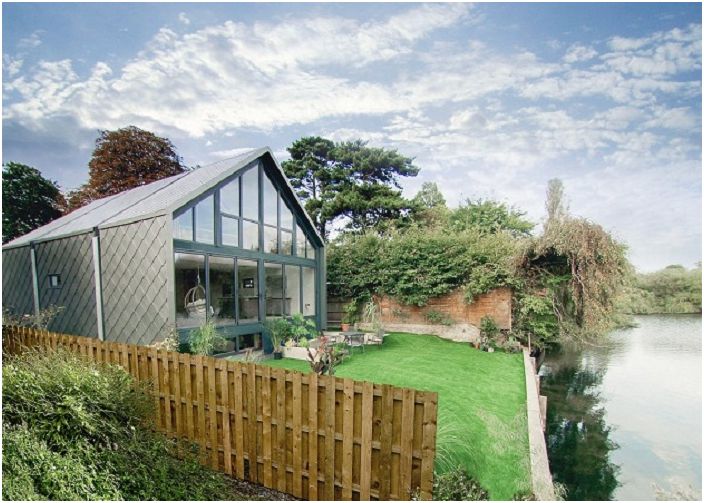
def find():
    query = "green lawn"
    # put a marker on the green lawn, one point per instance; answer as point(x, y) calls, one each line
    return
point(482, 402)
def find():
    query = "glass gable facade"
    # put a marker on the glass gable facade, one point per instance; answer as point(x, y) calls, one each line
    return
point(241, 255)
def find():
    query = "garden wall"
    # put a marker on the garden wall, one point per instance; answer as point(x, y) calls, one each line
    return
point(448, 316)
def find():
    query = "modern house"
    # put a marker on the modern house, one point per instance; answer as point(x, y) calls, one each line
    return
point(228, 242)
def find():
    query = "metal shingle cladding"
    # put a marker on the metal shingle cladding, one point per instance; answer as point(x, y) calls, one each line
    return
point(17, 293)
point(72, 259)
point(134, 262)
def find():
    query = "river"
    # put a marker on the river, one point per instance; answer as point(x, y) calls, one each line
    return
point(625, 417)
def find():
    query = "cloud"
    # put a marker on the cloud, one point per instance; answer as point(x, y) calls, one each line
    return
point(235, 75)
point(578, 52)
point(11, 66)
point(183, 18)
point(32, 41)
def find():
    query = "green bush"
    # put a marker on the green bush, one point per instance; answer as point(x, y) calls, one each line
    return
point(76, 430)
point(419, 264)
point(205, 339)
point(457, 485)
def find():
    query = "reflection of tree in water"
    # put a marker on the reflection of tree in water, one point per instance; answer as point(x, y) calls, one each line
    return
point(577, 435)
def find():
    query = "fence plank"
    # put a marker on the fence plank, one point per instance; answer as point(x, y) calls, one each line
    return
point(254, 394)
point(213, 414)
point(430, 414)
point(329, 438)
point(366, 442)
point(226, 419)
point(239, 428)
point(252, 422)
point(281, 429)
point(201, 434)
point(347, 439)
point(155, 382)
point(297, 457)
point(312, 436)
point(387, 416)
point(266, 426)
point(406, 462)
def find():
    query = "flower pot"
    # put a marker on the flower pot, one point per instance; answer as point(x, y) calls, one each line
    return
point(345, 327)
point(278, 355)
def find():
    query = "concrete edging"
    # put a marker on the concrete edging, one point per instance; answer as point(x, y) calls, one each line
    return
point(541, 479)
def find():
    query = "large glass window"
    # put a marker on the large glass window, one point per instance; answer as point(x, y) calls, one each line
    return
point(190, 290)
point(308, 291)
point(230, 231)
point(230, 198)
point(310, 250)
point(205, 223)
point(274, 289)
point(300, 242)
point(250, 235)
point(293, 289)
point(248, 290)
point(250, 194)
point(222, 290)
point(183, 226)
point(286, 216)
point(286, 242)
point(269, 202)
point(271, 240)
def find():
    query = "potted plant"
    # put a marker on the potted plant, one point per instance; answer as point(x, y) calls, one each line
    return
point(350, 316)
point(278, 330)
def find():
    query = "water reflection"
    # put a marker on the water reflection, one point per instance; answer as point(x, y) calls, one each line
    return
point(626, 415)
point(577, 434)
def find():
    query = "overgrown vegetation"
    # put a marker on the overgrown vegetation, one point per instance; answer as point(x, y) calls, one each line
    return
point(76, 430)
point(458, 485)
point(566, 281)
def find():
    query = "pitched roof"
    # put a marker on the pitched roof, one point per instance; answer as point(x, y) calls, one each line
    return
point(156, 198)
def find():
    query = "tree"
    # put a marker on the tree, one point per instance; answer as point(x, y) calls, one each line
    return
point(491, 217)
point(554, 202)
point(124, 159)
point(348, 179)
point(28, 200)
point(430, 196)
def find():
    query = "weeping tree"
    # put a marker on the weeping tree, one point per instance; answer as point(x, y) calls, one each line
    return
point(574, 273)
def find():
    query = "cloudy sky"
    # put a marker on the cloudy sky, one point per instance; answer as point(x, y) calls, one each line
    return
point(492, 100)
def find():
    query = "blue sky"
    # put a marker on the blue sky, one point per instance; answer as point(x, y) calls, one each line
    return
point(492, 100)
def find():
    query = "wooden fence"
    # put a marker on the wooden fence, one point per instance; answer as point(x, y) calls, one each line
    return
point(315, 437)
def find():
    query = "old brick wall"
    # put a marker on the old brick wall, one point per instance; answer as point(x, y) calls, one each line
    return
point(496, 303)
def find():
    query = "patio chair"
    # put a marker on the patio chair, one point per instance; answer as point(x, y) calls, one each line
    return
point(376, 339)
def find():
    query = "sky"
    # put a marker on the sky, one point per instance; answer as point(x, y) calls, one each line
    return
point(491, 100)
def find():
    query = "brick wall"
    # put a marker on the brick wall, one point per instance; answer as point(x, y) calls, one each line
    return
point(496, 303)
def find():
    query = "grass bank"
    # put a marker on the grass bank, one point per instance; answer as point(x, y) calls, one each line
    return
point(482, 402)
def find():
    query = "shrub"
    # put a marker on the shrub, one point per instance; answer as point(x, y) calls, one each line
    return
point(458, 485)
point(77, 430)
point(438, 318)
point(205, 339)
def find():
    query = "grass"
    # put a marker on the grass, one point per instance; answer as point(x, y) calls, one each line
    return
point(482, 402)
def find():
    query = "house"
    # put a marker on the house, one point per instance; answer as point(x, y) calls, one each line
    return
point(228, 242)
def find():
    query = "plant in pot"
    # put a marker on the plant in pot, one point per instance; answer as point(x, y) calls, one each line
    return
point(350, 316)
point(279, 330)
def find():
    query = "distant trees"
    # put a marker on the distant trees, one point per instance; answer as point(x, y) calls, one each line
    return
point(28, 200)
point(348, 179)
point(674, 289)
point(124, 159)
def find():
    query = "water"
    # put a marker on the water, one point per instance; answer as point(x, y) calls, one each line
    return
point(627, 415)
